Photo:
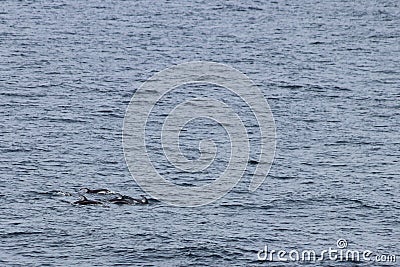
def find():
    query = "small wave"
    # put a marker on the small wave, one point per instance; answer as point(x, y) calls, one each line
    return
point(232, 205)
point(317, 43)
point(308, 182)
point(110, 113)
point(13, 150)
point(106, 111)
point(281, 177)
point(255, 8)
point(292, 86)
point(20, 95)
point(64, 120)
point(19, 233)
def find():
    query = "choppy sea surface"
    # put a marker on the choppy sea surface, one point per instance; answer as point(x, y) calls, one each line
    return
point(329, 70)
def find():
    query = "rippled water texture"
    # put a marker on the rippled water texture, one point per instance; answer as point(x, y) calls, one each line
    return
point(68, 69)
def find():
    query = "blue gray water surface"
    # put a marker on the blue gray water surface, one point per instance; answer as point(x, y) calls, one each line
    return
point(329, 69)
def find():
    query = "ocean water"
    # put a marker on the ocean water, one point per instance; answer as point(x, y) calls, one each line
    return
point(329, 70)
